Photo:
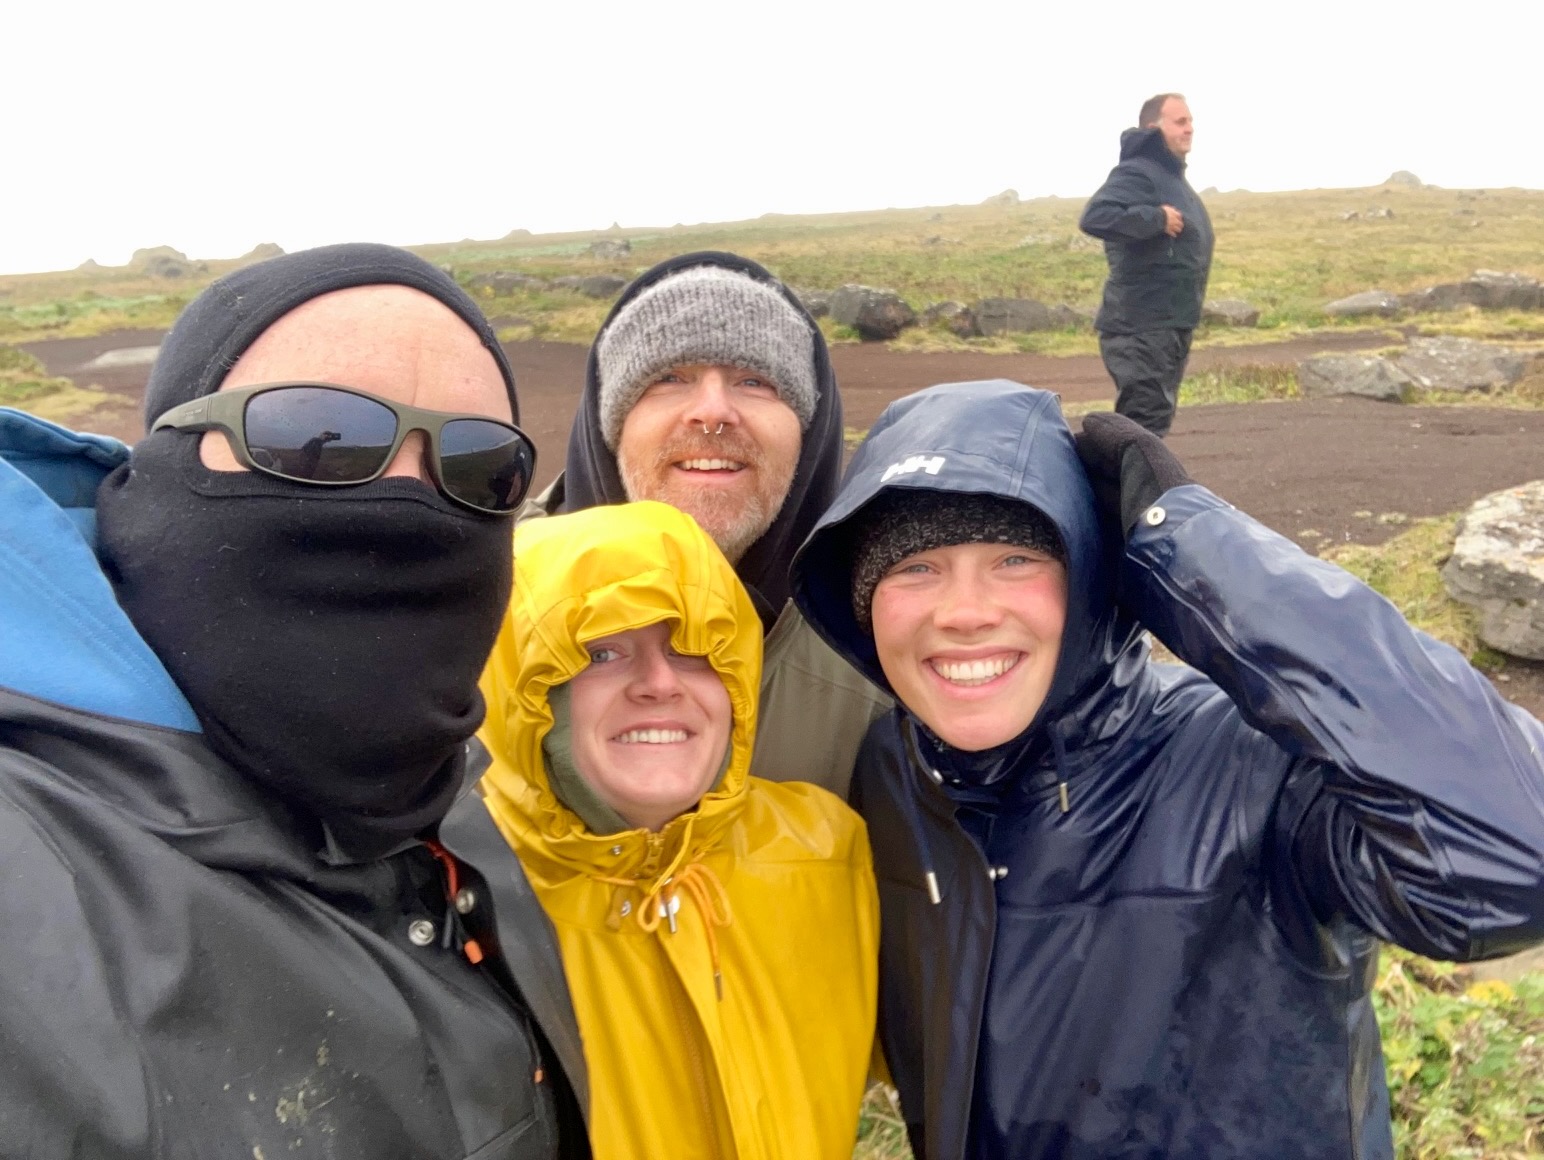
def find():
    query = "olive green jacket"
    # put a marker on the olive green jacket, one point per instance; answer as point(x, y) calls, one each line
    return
point(815, 708)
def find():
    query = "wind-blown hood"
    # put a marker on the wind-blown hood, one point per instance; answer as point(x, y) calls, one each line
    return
point(590, 476)
point(1148, 143)
point(994, 437)
point(589, 575)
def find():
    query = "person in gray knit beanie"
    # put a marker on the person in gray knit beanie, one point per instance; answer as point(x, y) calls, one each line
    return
point(904, 521)
point(705, 315)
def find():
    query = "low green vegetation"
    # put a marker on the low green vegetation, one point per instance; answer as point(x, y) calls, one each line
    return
point(1407, 570)
point(1246, 383)
point(87, 313)
point(1287, 253)
point(1465, 1060)
point(881, 1131)
point(23, 379)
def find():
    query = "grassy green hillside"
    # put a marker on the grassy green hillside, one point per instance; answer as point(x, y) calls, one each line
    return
point(1289, 253)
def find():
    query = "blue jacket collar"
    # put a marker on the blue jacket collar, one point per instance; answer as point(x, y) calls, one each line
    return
point(63, 637)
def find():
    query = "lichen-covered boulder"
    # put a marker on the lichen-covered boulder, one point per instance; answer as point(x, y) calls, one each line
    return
point(1367, 304)
point(1229, 312)
point(1498, 567)
point(1461, 364)
point(1370, 376)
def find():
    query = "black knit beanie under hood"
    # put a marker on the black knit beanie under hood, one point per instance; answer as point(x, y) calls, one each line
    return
point(329, 639)
point(905, 521)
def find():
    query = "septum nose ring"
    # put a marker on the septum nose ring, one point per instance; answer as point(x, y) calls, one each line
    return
point(705, 430)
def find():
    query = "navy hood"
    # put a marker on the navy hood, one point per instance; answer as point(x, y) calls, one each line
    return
point(996, 438)
point(1149, 143)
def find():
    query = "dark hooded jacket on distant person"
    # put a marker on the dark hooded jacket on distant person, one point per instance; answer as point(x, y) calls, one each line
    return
point(233, 711)
point(1149, 925)
point(814, 708)
point(1156, 282)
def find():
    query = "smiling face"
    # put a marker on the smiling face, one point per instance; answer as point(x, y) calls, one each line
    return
point(650, 726)
point(968, 636)
point(716, 442)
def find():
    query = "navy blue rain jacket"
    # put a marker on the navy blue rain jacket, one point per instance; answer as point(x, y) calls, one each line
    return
point(1156, 282)
point(1156, 935)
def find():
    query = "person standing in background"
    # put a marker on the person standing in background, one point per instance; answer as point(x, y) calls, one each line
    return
point(1158, 242)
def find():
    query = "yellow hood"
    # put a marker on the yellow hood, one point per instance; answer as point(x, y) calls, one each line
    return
point(723, 970)
point(579, 578)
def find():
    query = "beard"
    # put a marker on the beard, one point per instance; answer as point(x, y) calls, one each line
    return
point(735, 518)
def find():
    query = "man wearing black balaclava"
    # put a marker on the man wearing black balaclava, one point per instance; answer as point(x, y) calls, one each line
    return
point(710, 388)
point(236, 697)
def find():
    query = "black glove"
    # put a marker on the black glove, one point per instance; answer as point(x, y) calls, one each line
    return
point(1128, 466)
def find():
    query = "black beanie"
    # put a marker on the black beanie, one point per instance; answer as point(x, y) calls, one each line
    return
point(222, 322)
point(901, 522)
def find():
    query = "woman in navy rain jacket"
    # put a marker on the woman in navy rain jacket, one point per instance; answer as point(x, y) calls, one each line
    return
point(1148, 924)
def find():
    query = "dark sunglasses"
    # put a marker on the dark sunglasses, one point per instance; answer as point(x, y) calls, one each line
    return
point(337, 436)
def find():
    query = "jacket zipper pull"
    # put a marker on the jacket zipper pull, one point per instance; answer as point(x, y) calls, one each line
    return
point(1061, 793)
point(667, 910)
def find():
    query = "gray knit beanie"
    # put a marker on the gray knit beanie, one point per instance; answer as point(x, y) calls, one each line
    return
point(705, 315)
point(903, 521)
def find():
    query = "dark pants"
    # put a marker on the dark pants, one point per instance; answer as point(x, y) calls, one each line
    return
point(1147, 369)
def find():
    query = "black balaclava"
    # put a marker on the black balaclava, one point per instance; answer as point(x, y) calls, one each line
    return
point(329, 640)
point(591, 477)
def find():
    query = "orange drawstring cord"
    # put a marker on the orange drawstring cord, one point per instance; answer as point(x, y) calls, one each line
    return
point(660, 900)
point(470, 948)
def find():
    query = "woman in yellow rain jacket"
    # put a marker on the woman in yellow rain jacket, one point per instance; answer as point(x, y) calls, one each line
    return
point(719, 932)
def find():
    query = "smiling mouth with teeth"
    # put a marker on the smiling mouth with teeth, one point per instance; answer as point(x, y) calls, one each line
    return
point(710, 465)
point(652, 737)
point(978, 672)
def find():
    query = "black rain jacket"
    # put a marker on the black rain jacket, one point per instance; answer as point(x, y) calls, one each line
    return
point(1156, 282)
point(1156, 935)
point(183, 976)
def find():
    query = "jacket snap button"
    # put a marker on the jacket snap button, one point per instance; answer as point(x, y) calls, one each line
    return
point(627, 908)
point(616, 851)
point(465, 901)
point(997, 872)
point(420, 932)
point(1154, 516)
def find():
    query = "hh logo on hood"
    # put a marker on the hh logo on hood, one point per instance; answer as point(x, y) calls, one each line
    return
point(928, 463)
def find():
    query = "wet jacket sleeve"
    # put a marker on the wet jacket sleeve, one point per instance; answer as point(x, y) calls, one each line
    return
point(1414, 805)
point(1125, 209)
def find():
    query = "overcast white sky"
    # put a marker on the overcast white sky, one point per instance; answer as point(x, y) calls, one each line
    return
point(213, 127)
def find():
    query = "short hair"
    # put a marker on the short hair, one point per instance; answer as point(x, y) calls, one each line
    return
point(1152, 108)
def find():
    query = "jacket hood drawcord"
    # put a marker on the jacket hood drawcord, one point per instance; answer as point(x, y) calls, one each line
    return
point(913, 818)
point(1059, 748)
point(662, 898)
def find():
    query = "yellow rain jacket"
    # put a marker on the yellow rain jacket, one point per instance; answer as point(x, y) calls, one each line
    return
point(724, 969)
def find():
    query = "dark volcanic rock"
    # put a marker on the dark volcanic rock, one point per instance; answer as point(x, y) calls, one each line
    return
point(1013, 316)
point(877, 315)
point(956, 317)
